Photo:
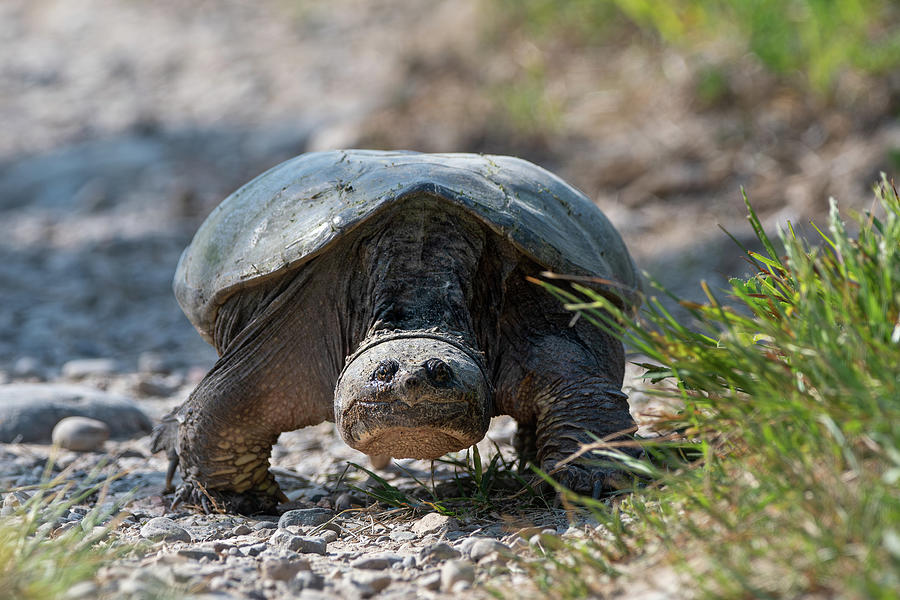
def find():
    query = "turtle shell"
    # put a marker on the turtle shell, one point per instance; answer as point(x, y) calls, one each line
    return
point(298, 209)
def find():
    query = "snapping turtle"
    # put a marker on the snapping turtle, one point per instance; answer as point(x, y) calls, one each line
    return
point(387, 291)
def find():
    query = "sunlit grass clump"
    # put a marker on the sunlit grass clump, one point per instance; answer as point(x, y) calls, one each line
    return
point(815, 39)
point(477, 486)
point(792, 402)
point(43, 553)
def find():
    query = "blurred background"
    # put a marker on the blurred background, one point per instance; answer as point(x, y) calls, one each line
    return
point(125, 122)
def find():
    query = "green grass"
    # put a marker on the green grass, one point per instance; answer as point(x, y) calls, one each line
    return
point(815, 39)
point(39, 560)
point(792, 406)
point(476, 487)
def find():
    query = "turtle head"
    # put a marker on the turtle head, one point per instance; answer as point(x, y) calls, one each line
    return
point(412, 397)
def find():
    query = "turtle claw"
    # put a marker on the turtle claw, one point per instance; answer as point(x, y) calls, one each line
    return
point(584, 480)
point(193, 494)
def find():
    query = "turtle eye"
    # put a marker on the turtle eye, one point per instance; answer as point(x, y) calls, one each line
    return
point(438, 370)
point(385, 370)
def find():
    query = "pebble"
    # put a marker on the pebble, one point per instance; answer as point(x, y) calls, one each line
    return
point(375, 561)
point(401, 535)
point(283, 569)
point(29, 411)
point(455, 571)
point(283, 538)
point(437, 553)
point(298, 543)
point(376, 581)
point(12, 501)
point(329, 535)
point(241, 529)
point(308, 580)
point(80, 434)
point(195, 554)
point(353, 590)
point(435, 523)
point(484, 546)
point(313, 545)
point(253, 549)
point(305, 517)
point(431, 581)
point(160, 529)
point(86, 367)
point(259, 526)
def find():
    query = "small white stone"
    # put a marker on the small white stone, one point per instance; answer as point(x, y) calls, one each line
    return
point(305, 517)
point(455, 571)
point(160, 529)
point(401, 535)
point(328, 535)
point(376, 562)
point(486, 546)
point(80, 434)
point(431, 581)
point(434, 523)
point(436, 553)
point(376, 581)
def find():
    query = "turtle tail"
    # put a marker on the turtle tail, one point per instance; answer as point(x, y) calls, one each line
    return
point(165, 437)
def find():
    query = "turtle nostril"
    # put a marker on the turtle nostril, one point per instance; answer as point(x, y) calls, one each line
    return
point(412, 382)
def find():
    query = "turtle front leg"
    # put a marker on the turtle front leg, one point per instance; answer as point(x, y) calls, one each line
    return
point(565, 392)
point(223, 446)
point(221, 438)
point(584, 412)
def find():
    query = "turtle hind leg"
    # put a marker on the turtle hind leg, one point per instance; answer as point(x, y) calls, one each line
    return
point(525, 444)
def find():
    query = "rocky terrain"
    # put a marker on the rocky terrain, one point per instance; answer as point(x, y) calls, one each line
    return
point(332, 541)
point(126, 122)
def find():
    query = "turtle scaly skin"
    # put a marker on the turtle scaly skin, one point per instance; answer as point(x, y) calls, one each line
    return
point(410, 330)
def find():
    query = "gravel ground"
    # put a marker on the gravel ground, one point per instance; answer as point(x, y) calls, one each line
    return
point(126, 122)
